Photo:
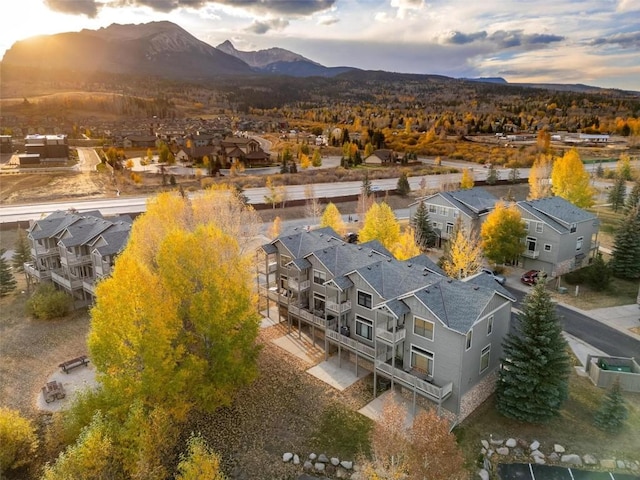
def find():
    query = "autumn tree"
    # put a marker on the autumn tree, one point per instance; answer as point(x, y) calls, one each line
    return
point(514, 174)
point(316, 159)
point(277, 193)
point(21, 251)
point(463, 255)
point(617, 194)
point(625, 262)
point(275, 228)
point(502, 233)
point(312, 208)
point(467, 181)
point(540, 178)
point(7, 280)
point(403, 188)
point(380, 224)
point(199, 462)
point(389, 443)
point(18, 440)
point(305, 161)
point(612, 413)
point(534, 381)
point(406, 246)
point(331, 218)
point(623, 168)
point(425, 235)
point(570, 180)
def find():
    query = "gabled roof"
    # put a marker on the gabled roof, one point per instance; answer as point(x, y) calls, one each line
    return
point(396, 307)
point(83, 231)
point(488, 281)
point(257, 155)
point(300, 242)
point(427, 263)
point(471, 202)
point(115, 241)
point(385, 155)
point(557, 212)
point(55, 223)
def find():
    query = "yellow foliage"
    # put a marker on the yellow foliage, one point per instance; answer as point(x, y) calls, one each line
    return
point(275, 228)
point(199, 462)
point(570, 180)
point(540, 178)
point(332, 218)
point(464, 254)
point(380, 224)
point(503, 233)
point(467, 181)
point(18, 440)
point(305, 161)
point(406, 246)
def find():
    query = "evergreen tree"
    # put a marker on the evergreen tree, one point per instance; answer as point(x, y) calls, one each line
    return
point(599, 170)
point(617, 193)
point(7, 281)
point(612, 413)
point(599, 274)
point(366, 185)
point(626, 247)
point(514, 175)
point(22, 252)
point(492, 175)
point(533, 383)
point(425, 235)
point(633, 199)
point(403, 188)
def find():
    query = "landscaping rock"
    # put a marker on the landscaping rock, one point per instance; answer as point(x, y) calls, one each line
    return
point(312, 456)
point(558, 448)
point(287, 457)
point(571, 459)
point(296, 460)
point(335, 461)
point(502, 451)
point(553, 457)
point(511, 442)
point(319, 467)
point(589, 459)
point(634, 466)
point(490, 454)
point(537, 453)
point(347, 465)
point(485, 444)
point(539, 460)
point(484, 475)
point(483, 451)
point(308, 465)
point(496, 442)
point(534, 446)
point(323, 458)
point(608, 463)
point(620, 464)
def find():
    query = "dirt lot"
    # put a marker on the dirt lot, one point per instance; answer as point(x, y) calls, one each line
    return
point(47, 187)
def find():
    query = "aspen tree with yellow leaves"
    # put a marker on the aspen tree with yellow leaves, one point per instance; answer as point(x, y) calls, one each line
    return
point(406, 246)
point(502, 233)
point(467, 181)
point(463, 255)
point(540, 177)
point(380, 224)
point(332, 218)
point(570, 180)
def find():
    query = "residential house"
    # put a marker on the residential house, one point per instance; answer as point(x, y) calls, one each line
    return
point(381, 157)
point(48, 147)
point(560, 236)
point(6, 144)
point(471, 206)
point(74, 250)
point(437, 338)
point(140, 141)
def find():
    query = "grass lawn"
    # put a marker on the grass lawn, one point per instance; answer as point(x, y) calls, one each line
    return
point(572, 429)
point(351, 438)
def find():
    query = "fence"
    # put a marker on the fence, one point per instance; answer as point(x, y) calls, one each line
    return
point(604, 378)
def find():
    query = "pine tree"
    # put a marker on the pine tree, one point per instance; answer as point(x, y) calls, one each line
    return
point(514, 175)
point(7, 281)
point(425, 235)
point(599, 274)
point(612, 413)
point(533, 382)
point(366, 185)
point(633, 199)
point(493, 175)
point(625, 262)
point(403, 188)
point(22, 252)
point(617, 193)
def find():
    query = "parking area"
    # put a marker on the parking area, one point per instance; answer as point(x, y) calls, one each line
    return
point(526, 471)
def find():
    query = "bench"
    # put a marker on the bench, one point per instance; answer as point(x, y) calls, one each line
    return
point(73, 363)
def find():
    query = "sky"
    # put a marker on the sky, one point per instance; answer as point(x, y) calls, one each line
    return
point(595, 42)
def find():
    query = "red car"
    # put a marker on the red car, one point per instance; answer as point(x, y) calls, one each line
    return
point(532, 276)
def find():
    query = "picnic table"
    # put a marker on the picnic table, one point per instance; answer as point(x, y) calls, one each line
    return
point(53, 391)
point(73, 363)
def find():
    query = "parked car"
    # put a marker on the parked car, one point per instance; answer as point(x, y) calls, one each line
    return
point(532, 276)
point(501, 279)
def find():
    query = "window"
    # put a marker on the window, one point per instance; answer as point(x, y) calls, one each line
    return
point(531, 244)
point(284, 259)
point(490, 325)
point(485, 357)
point(437, 225)
point(284, 282)
point(573, 228)
point(432, 209)
point(449, 227)
point(469, 336)
point(422, 327)
point(547, 247)
point(526, 225)
point(539, 227)
point(364, 299)
point(579, 241)
point(442, 211)
point(364, 327)
point(456, 212)
point(318, 303)
point(422, 360)
point(319, 277)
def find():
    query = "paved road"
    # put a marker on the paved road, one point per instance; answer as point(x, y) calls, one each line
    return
point(591, 331)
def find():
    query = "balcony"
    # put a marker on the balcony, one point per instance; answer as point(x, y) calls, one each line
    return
point(531, 253)
point(272, 267)
point(389, 337)
point(32, 271)
point(89, 286)
point(351, 344)
point(424, 388)
point(299, 286)
point(274, 295)
point(73, 260)
point(308, 316)
point(74, 283)
point(41, 251)
point(338, 307)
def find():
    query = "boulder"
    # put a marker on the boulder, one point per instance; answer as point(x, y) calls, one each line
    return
point(511, 442)
point(287, 457)
point(483, 451)
point(589, 459)
point(335, 461)
point(608, 463)
point(553, 457)
point(319, 466)
point(534, 446)
point(620, 464)
point(539, 460)
point(312, 456)
point(558, 448)
point(502, 451)
point(537, 453)
point(308, 465)
point(323, 458)
point(347, 465)
point(571, 459)
point(495, 441)
point(484, 475)
point(296, 460)
point(485, 444)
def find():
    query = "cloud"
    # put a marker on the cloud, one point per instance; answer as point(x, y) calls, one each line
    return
point(328, 20)
point(503, 38)
point(628, 5)
point(293, 8)
point(459, 38)
point(261, 27)
point(624, 40)
point(75, 7)
point(407, 7)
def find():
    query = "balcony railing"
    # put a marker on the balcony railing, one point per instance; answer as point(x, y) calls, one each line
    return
point(308, 316)
point(272, 267)
point(298, 286)
point(70, 284)
point(389, 337)
point(351, 344)
point(73, 260)
point(89, 286)
point(338, 307)
point(31, 270)
point(531, 253)
point(43, 251)
point(421, 386)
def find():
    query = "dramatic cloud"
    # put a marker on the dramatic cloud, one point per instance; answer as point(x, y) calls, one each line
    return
point(75, 7)
point(624, 40)
point(261, 27)
point(503, 38)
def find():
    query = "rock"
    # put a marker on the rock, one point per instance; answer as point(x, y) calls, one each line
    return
point(330, 470)
point(634, 466)
point(484, 475)
point(323, 458)
point(554, 457)
point(483, 451)
point(347, 465)
point(502, 451)
point(319, 467)
point(558, 448)
point(534, 446)
point(494, 441)
point(485, 444)
point(312, 456)
point(571, 459)
point(589, 459)
point(287, 457)
point(308, 465)
point(296, 460)
point(335, 461)
point(511, 442)
point(620, 464)
point(518, 452)
point(608, 464)
point(537, 453)
point(539, 460)
point(490, 454)
point(341, 474)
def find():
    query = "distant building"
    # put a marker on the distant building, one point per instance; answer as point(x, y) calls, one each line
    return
point(47, 147)
point(6, 144)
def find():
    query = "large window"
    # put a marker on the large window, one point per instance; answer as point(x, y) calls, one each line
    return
point(449, 228)
point(284, 259)
point(319, 277)
point(364, 299)
point(432, 208)
point(485, 358)
point(531, 244)
point(364, 327)
point(469, 337)
point(422, 327)
point(422, 360)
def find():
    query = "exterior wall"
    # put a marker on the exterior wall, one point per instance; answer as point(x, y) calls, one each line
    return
point(360, 284)
point(444, 213)
point(629, 381)
point(478, 394)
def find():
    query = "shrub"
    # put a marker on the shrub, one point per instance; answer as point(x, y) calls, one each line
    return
point(47, 302)
point(17, 438)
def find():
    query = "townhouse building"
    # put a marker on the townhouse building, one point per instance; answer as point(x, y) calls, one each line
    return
point(435, 338)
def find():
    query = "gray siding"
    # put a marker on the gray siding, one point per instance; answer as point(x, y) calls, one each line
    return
point(440, 218)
